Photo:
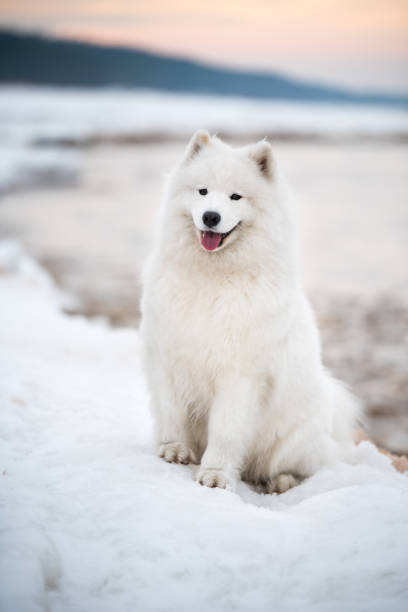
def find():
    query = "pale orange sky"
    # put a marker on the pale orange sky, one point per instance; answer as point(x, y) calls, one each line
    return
point(360, 43)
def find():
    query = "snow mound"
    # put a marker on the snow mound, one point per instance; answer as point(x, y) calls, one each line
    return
point(92, 520)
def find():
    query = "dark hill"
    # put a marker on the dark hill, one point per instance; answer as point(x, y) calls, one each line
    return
point(34, 59)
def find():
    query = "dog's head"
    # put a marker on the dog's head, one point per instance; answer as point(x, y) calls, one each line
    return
point(222, 191)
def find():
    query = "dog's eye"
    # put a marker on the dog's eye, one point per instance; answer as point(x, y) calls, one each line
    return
point(235, 196)
point(203, 191)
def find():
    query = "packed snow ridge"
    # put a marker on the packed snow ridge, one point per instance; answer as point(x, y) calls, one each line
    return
point(93, 521)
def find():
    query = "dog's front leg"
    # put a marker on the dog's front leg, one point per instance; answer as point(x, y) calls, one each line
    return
point(171, 424)
point(172, 436)
point(231, 427)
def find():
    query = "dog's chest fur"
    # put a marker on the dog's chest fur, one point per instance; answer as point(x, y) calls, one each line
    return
point(210, 326)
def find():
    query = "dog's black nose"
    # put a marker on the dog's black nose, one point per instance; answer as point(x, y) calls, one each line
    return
point(211, 218)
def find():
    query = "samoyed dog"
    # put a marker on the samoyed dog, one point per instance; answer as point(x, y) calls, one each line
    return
point(231, 348)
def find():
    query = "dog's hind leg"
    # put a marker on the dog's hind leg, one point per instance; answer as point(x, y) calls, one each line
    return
point(281, 483)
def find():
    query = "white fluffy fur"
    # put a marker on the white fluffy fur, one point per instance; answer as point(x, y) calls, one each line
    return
point(231, 347)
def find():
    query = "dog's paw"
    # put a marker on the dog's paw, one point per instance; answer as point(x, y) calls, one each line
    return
point(176, 452)
point(215, 478)
point(281, 483)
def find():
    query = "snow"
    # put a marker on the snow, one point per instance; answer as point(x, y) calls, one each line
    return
point(92, 520)
point(25, 167)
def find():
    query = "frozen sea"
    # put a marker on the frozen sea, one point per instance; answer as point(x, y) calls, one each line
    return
point(33, 119)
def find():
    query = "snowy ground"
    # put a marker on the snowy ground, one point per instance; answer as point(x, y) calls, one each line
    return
point(93, 521)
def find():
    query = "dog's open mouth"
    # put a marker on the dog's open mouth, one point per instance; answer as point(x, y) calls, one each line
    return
point(213, 240)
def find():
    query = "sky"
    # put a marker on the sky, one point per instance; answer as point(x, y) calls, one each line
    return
point(358, 43)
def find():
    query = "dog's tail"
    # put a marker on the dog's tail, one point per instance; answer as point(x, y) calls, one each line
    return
point(348, 412)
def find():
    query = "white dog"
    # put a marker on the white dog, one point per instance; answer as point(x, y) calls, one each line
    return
point(231, 348)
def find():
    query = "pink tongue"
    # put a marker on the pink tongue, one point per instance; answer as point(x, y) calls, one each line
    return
point(211, 240)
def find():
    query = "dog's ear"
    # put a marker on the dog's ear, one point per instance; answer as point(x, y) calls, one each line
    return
point(261, 153)
point(199, 141)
